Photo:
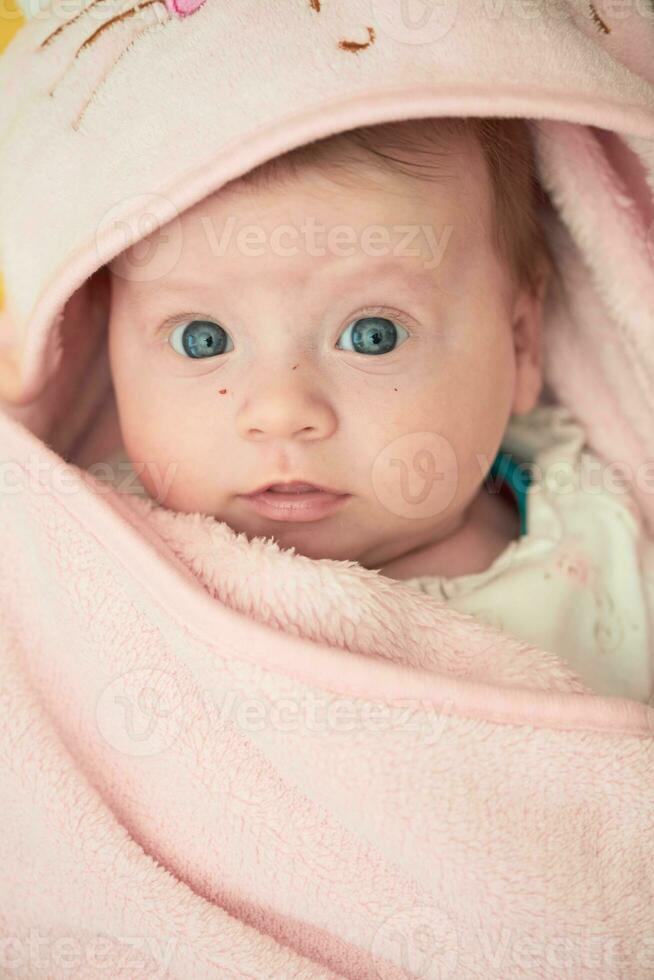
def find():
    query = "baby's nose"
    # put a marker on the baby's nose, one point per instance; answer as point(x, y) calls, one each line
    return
point(285, 409)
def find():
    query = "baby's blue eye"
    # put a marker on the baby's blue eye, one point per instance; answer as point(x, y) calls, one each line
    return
point(199, 338)
point(373, 335)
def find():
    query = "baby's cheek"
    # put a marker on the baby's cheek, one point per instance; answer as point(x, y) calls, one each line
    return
point(190, 473)
point(169, 482)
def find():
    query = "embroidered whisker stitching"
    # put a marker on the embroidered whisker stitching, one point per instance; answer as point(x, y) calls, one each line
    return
point(68, 23)
point(356, 46)
point(150, 27)
point(127, 13)
point(113, 20)
point(598, 20)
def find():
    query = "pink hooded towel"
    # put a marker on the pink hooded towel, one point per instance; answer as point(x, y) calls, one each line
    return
point(221, 759)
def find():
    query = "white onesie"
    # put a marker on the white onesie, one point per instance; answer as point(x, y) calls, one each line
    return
point(579, 582)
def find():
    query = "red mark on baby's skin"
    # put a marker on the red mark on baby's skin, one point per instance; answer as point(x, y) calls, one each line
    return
point(355, 46)
point(295, 367)
point(223, 391)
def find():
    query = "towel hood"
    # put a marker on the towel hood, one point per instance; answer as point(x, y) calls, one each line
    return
point(116, 118)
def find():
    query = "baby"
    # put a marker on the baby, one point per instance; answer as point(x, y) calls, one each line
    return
point(376, 365)
point(364, 315)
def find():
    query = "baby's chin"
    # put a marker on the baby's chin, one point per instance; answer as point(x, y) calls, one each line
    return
point(351, 533)
point(337, 536)
point(331, 537)
point(327, 537)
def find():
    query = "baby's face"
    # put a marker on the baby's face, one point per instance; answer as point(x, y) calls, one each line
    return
point(292, 384)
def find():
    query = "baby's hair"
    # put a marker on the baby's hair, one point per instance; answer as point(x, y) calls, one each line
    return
point(423, 145)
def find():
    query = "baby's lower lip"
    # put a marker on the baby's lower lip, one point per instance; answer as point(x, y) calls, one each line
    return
point(307, 506)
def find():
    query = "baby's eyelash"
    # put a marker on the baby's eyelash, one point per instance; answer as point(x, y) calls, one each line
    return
point(166, 326)
point(385, 311)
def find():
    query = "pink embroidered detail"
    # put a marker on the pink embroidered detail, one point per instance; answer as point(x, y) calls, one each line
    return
point(573, 564)
point(182, 8)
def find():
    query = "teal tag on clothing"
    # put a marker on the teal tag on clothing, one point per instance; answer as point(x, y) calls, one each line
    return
point(516, 477)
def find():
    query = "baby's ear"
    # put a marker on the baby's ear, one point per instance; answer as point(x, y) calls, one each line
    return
point(528, 343)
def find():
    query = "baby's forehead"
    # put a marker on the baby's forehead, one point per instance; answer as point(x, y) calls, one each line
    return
point(346, 204)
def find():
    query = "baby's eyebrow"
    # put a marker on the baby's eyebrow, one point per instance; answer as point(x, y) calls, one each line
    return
point(414, 271)
point(177, 283)
point(409, 268)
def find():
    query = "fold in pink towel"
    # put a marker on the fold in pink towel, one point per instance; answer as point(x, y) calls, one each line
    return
point(221, 759)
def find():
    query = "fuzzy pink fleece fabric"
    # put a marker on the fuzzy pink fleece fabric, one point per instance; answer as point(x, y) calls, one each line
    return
point(220, 759)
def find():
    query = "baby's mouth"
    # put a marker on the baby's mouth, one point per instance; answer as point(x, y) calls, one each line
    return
point(295, 501)
point(293, 488)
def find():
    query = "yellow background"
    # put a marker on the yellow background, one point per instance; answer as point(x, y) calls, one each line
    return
point(10, 21)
